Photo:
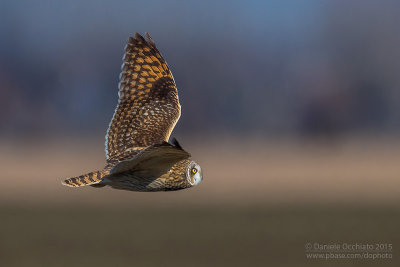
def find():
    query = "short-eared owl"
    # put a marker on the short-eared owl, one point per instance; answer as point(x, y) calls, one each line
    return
point(139, 157)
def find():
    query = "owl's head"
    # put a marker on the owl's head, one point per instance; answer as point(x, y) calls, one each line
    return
point(194, 174)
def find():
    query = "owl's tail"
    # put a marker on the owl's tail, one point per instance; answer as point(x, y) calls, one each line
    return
point(92, 178)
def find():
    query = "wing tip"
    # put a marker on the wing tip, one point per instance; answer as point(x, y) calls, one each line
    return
point(177, 145)
point(175, 142)
point(151, 41)
point(139, 39)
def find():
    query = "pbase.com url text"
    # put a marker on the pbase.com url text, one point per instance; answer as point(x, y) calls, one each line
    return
point(364, 255)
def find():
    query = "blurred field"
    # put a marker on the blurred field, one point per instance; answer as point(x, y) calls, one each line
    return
point(93, 236)
point(260, 202)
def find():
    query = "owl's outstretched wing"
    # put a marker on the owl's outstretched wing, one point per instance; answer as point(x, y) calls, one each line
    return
point(148, 106)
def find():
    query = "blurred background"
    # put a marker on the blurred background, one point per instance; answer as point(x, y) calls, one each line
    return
point(292, 109)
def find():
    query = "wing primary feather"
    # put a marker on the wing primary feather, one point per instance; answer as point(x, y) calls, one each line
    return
point(151, 41)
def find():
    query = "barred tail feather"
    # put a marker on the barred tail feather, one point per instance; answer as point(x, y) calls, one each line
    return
point(86, 179)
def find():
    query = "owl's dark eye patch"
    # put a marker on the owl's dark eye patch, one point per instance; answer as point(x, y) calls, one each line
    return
point(194, 170)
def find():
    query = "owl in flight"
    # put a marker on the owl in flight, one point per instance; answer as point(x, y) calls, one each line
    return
point(139, 157)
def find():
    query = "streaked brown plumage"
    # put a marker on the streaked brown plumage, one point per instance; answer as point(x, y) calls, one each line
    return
point(137, 153)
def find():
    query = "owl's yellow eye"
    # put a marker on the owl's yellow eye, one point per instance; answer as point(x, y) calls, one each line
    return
point(194, 170)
